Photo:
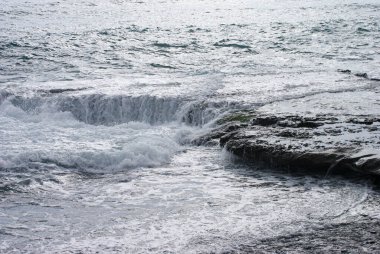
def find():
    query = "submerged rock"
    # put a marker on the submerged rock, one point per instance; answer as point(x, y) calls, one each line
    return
point(356, 237)
point(359, 74)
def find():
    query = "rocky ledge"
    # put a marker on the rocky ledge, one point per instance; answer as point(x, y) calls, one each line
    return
point(329, 133)
point(355, 237)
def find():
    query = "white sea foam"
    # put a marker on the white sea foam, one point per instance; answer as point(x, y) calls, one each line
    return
point(59, 138)
point(111, 85)
point(98, 132)
point(100, 109)
point(199, 203)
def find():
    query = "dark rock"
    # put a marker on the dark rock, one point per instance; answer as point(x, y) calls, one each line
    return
point(344, 71)
point(265, 121)
point(322, 143)
point(293, 134)
point(281, 155)
point(367, 121)
point(218, 133)
point(361, 75)
point(355, 237)
point(371, 165)
point(309, 124)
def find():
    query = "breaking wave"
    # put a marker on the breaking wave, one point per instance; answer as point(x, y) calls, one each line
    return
point(58, 138)
point(99, 109)
point(98, 132)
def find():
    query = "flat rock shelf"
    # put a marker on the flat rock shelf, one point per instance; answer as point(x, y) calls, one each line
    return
point(343, 139)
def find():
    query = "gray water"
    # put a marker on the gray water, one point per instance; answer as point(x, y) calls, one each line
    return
point(99, 100)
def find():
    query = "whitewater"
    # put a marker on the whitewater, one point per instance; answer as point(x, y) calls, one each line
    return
point(100, 102)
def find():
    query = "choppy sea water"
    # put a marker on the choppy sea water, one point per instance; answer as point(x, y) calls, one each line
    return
point(99, 99)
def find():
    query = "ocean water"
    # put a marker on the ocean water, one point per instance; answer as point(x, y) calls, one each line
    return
point(99, 100)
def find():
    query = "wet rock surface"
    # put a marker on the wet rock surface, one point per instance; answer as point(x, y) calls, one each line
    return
point(331, 142)
point(356, 237)
point(321, 143)
point(359, 74)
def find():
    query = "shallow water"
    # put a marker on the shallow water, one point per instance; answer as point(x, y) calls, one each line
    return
point(99, 100)
point(201, 202)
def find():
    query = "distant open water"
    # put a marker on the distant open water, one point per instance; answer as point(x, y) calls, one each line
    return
point(99, 99)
